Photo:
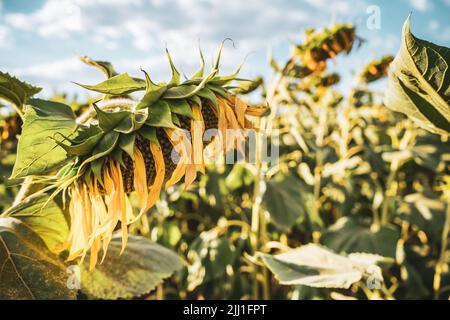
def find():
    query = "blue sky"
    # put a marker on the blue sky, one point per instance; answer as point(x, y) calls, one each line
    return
point(41, 39)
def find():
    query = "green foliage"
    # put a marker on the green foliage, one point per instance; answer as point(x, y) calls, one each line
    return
point(45, 218)
point(136, 272)
point(315, 266)
point(29, 270)
point(37, 152)
point(278, 200)
point(364, 182)
point(15, 91)
point(418, 82)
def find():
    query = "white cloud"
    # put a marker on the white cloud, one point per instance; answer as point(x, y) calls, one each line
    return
point(6, 40)
point(54, 19)
point(421, 5)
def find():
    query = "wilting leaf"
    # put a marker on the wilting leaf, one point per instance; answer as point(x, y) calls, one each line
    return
point(15, 91)
point(142, 266)
point(315, 266)
point(348, 236)
point(29, 270)
point(286, 199)
point(419, 83)
point(37, 152)
point(48, 221)
point(120, 84)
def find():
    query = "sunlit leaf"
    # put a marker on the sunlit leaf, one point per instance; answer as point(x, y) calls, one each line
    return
point(37, 152)
point(15, 91)
point(29, 270)
point(136, 272)
point(419, 82)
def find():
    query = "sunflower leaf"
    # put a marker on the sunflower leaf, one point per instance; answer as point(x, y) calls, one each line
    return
point(15, 91)
point(137, 271)
point(45, 218)
point(419, 82)
point(29, 270)
point(37, 152)
point(315, 266)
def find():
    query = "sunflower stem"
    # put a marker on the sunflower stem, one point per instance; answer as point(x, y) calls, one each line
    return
point(25, 187)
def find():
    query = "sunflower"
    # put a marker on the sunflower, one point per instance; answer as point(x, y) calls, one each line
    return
point(320, 46)
point(376, 69)
point(123, 146)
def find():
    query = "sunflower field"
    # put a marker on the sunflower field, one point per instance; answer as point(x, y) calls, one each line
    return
point(213, 186)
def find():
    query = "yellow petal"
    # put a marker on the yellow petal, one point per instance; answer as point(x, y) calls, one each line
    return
point(140, 179)
point(197, 130)
point(175, 136)
point(155, 189)
point(223, 124)
point(240, 107)
point(255, 111)
point(235, 136)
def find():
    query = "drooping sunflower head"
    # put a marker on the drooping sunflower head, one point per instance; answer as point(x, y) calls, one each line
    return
point(322, 45)
point(376, 69)
point(123, 146)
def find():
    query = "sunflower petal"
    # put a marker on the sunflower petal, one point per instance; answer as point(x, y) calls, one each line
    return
point(174, 137)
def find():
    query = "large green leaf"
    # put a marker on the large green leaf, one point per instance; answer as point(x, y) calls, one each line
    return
point(347, 235)
point(117, 85)
point(142, 266)
point(15, 91)
point(37, 152)
point(29, 270)
point(286, 199)
point(315, 266)
point(419, 83)
point(48, 221)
